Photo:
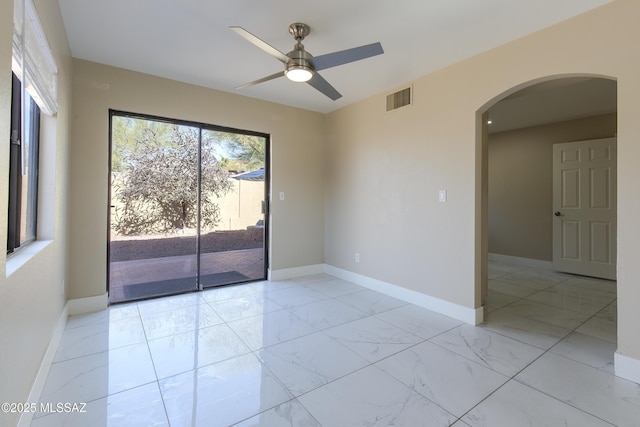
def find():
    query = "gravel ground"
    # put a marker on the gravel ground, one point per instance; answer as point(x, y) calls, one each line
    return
point(123, 249)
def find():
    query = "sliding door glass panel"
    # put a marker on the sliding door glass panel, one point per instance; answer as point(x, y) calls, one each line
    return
point(153, 208)
point(232, 235)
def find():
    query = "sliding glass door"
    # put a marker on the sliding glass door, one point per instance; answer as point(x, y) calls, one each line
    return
point(232, 249)
point(187, 207)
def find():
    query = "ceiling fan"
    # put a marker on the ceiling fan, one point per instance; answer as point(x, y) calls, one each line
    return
point(301, 66)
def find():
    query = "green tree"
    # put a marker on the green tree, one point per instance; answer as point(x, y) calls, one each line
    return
point(127, 134)
point(158, 182)
point(246, 152)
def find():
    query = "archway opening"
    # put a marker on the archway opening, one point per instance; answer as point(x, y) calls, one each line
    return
point(516, 280)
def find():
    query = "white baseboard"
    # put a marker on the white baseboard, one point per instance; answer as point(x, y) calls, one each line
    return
point(524, 262)
point(88, 305)
point(456, 311)
point(290, 273)
point(627, 367)
point(72, 307)
point(45, 365)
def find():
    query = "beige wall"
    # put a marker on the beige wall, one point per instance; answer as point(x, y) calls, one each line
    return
point(297, 163)
point(31, 298)
point(384, 170)
point(520, 177)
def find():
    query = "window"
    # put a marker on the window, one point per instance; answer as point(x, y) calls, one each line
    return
point(23, 168)
point(34, 91)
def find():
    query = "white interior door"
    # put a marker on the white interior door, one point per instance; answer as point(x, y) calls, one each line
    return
point(584, 207)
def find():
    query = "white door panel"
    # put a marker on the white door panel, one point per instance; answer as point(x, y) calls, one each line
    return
point(584, 204)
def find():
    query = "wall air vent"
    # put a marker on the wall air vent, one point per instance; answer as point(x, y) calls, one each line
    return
point(399, 99)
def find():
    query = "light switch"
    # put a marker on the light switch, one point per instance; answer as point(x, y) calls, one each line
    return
point(442, 196)
point(282, 195)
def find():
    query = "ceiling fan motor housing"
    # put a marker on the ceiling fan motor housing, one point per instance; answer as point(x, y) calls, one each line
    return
point(299, 59)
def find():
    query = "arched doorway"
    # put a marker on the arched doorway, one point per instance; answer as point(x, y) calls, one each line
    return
point(521, 292)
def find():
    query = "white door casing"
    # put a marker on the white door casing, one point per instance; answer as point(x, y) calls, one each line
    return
point(584, 207)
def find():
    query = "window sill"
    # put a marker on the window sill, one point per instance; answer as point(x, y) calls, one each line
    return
point(24, 255)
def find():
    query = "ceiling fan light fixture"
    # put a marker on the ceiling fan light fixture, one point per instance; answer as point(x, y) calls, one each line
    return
point(299, 74)
point(299, 70)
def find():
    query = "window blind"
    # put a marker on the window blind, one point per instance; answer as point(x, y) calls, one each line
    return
point(33, 60)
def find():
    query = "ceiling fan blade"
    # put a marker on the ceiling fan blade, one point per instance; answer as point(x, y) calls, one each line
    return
point(262, 80)
point(322, 62)
point(319, 83)
point(261, 44)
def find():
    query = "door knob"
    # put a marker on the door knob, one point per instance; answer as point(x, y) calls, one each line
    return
point(557, 213)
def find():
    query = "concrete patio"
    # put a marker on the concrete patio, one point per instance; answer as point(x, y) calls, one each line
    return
point(218, 267)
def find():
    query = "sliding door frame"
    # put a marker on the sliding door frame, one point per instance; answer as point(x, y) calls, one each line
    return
point(201, 127)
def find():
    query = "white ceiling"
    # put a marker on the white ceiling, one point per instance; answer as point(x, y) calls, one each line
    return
point(190, 40)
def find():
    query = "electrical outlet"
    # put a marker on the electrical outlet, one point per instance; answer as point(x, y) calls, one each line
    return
point(357, 257)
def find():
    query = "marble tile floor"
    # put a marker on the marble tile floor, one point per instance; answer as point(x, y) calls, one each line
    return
point(320, 351)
